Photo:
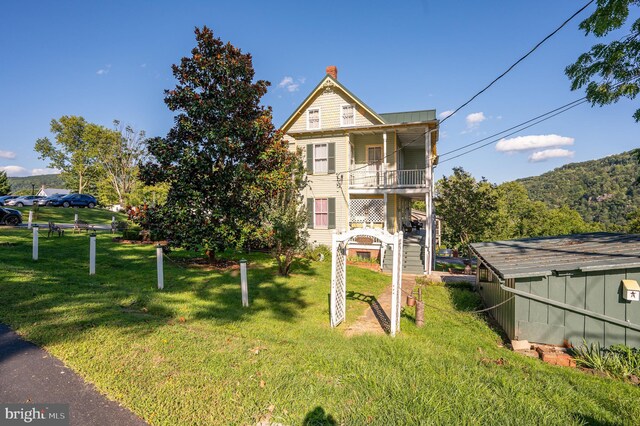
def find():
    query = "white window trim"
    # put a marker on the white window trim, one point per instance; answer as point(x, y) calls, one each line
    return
point(354, 115)
point(319, 118)
point(315, 172)
point(315, 224)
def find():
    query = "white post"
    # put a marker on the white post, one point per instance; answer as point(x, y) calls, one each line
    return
point(429, 249)
point(160, 268)
point(334, 268)
point(243, 283)
point(30, 218)
point(394, 284)
point(92, 254)
point(384, 197)
point(35, 242)
point(384, 157)
point(113, 219)
point(75, 218)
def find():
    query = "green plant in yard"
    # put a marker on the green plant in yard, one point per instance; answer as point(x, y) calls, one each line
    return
point(318, 252)
point(618, 360)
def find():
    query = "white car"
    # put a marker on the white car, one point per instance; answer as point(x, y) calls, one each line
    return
point(26, 200)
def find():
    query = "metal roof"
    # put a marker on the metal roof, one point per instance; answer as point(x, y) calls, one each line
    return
point(536, 257)
point(409, 116)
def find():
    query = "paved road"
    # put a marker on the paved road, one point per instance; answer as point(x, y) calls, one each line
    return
point(28, 374)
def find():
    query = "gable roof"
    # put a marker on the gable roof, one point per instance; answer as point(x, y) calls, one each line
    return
point(328, 80)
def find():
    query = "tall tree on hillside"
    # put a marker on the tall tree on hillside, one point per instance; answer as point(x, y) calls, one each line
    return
point(75, 151)
point(220, 158)
point(466, 206)
point(119, 155)
point(5, 186)
point(610, 71)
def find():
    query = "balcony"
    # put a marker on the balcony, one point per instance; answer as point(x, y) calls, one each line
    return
point(387, 179)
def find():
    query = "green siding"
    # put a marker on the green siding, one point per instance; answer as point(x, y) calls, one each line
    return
point(599, 292)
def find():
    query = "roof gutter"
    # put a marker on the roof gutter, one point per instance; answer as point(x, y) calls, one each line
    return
point(562, 305)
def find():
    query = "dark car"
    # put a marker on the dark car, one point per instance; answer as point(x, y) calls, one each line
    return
point(47, 200)
point(6, 198)
point(75, 200)
point(10, 217)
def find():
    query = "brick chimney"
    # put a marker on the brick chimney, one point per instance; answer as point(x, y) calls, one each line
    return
point(332, 70)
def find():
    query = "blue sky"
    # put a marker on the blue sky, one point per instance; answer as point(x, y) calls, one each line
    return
point(112, 60)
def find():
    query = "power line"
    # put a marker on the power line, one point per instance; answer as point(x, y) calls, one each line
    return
point(512, 128)
point(517, 131)
point(517, 62)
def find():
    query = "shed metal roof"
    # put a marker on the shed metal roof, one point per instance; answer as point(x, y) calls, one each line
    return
point(535, 257)
point(409, 116)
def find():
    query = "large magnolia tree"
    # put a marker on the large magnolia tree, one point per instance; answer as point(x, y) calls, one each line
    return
point(223, 159)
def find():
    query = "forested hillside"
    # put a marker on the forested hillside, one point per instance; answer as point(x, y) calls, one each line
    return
point(24, 184)
point(604, 190)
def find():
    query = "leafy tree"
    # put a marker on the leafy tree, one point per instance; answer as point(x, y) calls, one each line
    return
point(466, 206)
point(75, 151)
point(119, 154)
point(610, 71)
point(5, 186)
point(512, 213)
point(634, 222)
point(222, 158)
point(286, 216)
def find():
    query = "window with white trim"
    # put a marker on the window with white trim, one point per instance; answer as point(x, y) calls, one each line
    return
point(320, 158)
point(313, 118)
point(348, 115)
point(321, 213)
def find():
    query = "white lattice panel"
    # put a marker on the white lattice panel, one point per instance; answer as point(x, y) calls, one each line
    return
point(366, 210)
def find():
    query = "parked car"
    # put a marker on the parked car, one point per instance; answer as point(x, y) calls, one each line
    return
point(10, 217)
point(46, 201)
point(26, 200)
point(75, 200)
point(6, 198)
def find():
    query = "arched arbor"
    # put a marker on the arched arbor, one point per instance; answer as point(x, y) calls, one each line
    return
point(339, 272)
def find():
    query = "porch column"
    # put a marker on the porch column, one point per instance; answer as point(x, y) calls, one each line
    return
point(384, 197)
point(428, 237)
point(384, 158)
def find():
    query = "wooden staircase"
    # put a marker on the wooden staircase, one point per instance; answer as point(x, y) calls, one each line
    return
point(413, 254)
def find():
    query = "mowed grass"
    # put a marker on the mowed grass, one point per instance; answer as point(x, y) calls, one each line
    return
point(67, 215)
point(190, 354)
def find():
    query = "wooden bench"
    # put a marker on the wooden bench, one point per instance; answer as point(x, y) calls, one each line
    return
point(81, 225)
point(55, 228)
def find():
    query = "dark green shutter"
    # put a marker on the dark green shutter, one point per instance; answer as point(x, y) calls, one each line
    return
point(331, 204)
point(310, 159)
point(331, 160)
point(310, 213)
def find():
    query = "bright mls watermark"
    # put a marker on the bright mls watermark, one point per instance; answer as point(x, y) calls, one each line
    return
point(34, 414)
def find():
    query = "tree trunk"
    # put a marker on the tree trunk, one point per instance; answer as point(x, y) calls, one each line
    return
point(211, 256)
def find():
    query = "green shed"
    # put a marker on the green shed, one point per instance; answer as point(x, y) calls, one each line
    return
point(564, 289)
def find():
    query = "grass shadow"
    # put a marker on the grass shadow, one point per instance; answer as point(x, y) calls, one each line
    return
point(378, 312)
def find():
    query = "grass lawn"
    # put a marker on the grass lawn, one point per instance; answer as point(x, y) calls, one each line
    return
point(62, 215)
point(190, 354)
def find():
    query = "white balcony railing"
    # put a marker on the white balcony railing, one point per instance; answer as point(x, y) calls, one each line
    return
point(365, 178)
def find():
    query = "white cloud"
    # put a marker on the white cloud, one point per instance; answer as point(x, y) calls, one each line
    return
point(143, 65)
point(7, 154)
point(14, 170)
point(105, 70)
point(46, 171)
point(475, 119)
point(445, 114)
point(524, 143)
point(290, 85)
point(550, 153)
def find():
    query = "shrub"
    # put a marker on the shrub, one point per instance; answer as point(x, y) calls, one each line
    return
point(318, 253)
point(619, 360)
